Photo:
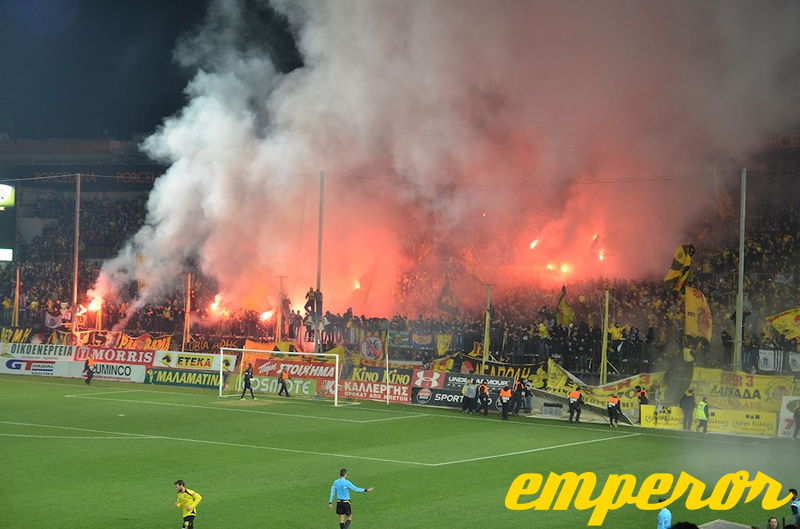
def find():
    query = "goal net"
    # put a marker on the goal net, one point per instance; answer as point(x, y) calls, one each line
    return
point(311, 375)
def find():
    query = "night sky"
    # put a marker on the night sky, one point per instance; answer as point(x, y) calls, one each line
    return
point(84, 69)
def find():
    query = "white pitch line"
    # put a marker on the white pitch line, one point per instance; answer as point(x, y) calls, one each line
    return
point(540, 449)
point(220, 408)
point(397, 418)
point(223, 443)
point(29, 436)
point(109, 392)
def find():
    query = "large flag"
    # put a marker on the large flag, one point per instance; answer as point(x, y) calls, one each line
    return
point(447, 299)
point(564, 313)
point(678, 271)
point(787, 323)
point(698, 316)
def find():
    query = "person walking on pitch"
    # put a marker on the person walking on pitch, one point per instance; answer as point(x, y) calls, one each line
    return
point(283, 379)
point(575, 402)
point(187, 502)
point(88, 368)
point(702, 415)
point(341, 491)
point(248, 376)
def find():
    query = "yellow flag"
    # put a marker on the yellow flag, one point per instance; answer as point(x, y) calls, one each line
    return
point(564, 313)
point(678, 271)
point(443, 342)
point(787, 323)
point(698, 315)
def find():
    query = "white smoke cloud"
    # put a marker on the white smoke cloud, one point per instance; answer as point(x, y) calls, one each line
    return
point(453, 125)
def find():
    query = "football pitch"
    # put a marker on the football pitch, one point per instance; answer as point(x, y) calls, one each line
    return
point(106, 456)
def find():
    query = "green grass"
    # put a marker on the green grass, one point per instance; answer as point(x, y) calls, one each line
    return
point(270, 463)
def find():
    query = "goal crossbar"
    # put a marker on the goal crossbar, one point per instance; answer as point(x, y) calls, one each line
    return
point(228, 350)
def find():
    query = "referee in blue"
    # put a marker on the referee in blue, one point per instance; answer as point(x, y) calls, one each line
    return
point(341, 489)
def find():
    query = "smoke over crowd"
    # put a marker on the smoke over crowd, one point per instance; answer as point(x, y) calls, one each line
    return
point(470, 141)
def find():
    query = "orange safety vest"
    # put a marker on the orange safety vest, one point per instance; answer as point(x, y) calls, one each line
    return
point(483, 389)
point(505, 392)
point(284, 375)
point(612, 402)
point(575, 394)
point(91, 361)
point(642, 393)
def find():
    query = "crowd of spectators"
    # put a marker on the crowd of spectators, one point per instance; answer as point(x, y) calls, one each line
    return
point(646, 318)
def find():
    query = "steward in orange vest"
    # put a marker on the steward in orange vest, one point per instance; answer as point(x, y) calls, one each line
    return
point(575, 399)
point(88, 368)
point(483, 398)
point(505, 400)
point(283, 376)
point(614, 410)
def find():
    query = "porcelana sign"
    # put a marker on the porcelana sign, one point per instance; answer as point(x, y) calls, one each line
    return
point(620, 490)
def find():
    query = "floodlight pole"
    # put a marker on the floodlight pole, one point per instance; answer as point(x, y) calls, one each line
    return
point(15, 316)
point(76, 245)
point(739, 331)
point(604, 348)
point(318, 302)
point(187, 312)
point(487, 325)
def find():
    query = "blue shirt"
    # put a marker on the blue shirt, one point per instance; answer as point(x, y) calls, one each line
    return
point(341, 488)
point(664, 519)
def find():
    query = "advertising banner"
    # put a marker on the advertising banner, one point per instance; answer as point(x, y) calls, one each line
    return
point(113, 371)
point(120, 356)
point(297, 386)
point(178, 377)
point(456, 381)
point(17, 366)
point(377, 374)
point(446, 397)
point(786, 423)
point(38, 351)
point(270, 367)
point(719, 421)
point(426, 378)
point(737, 390)
point(194, 361)
point(351, 389)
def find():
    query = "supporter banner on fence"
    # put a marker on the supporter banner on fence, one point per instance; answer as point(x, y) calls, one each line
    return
point(194, 361)
point(770, 360)
point(121, 356)
point(29, 351)
point(719, 421)
point(555, 379)
point(422, 340)
point(351, 389)
point(371, 347)
point(377, 374)
point(794, 362)
point(515, 371)
point(15, 335)
point(298, 386)
point(18, 366)
point(270, 367)
point(786, 424)
point(400, 339)
point(358, 360)
point(737, 390)
point(787, 323)
point(287, 347)
point(178, 377)
point(198, 344)
point(443, 343)
point(118, 340)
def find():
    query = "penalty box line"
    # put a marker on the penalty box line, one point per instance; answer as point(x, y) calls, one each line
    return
point(258, 412)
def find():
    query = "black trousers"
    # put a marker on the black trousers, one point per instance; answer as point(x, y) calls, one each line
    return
point(283, 388)
point(506, 407)
point(574, 411)
point(702, 423)
point(517, 403)
point(687, 419)
point(89, 376)
point(483, 403)
point(612, 416)
point(246, 387)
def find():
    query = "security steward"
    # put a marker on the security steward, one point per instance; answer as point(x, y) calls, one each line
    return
point(483, 398)
point(505, 400)
point(575, 399)
point(614, 410)
point(283, 377)
point(518, 397)
point(88, 368)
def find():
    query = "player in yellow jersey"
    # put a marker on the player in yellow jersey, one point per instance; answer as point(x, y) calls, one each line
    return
point(187, 502)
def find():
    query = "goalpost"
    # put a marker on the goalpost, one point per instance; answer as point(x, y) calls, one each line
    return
point(314, 375)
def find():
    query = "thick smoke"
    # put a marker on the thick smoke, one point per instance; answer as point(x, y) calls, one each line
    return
point(453, 134)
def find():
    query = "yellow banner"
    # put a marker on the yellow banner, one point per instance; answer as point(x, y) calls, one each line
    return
point(559, 381)
point(443, 342)
point(698, 315)
point(737, 390)
point(787, 323)
point(719, 421)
